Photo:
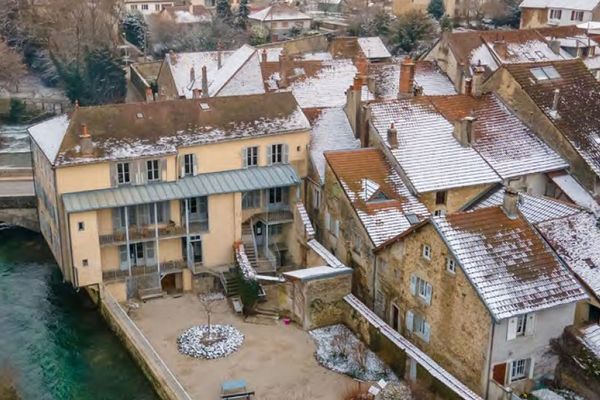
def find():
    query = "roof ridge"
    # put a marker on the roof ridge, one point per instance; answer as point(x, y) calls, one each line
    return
point(231, 59)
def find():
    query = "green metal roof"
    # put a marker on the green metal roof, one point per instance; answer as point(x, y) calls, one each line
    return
point(240, 180)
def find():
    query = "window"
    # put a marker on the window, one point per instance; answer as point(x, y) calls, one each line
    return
point(250, 157)
point(316, 198)
point(519, 369)
point(134, 7)
point(417, 324)
point(451, 265)
point(144, 6)
point(332, 224)
point(123, 176)
point(152, 170)
point(555, 14)
point(439, 213)
point(421, 288)
point(545, 73)
point(81, 226)
point(278, 154)
point(426, 252)
point(85, 262)
point(188, 165)
point(576, 15)
point(275, 195)
point(395, 317)
point(157, 7)
point(440, 197)
point(522, 325)
point(275, 230)
point(251, 199)
point(193, 205)
point(193, 252)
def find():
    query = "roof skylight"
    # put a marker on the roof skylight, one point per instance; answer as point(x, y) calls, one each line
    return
point(545, 73)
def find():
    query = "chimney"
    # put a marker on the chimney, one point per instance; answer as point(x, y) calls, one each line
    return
point(149, 95)
point(361, 65)
point(554, 45)
point(463, 130)
point(555, 100)
point(204, 82)
point(85, 142)
point(407, 77)
point(283, 69)
point(510, 205)
point(392, 136)
point(263, 56)
point(196, 93)
point(355, 108)
point(192, 75)
point(501, 48)
point(468, 86)
point(219, 55)
point(477, 80)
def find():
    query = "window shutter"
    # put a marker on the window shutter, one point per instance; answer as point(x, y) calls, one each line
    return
point(284, 156)
point(163, 169)
point(166, 214)
point(428, 292)
point(529, 367)
point(499, 373)
point(123, 253)
point(413, 284)
point(181, 166)
point(113, 175)
point(195, 165)
point(269, 155)
point(116, 214)
point(512, 329)
point(136, 174)
point(245, 157)
point(409, 320)
point(327, 220)
point(426, 331)
point(530, 327)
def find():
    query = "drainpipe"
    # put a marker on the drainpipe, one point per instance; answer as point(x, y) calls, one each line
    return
point(127, 240)
point(374, 282)
point(487, 384)
point(157, 252)
point(187, 235)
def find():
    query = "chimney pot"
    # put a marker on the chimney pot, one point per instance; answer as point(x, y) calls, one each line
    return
point(85, 142)
point(407, 77)
point(463, 130)
point(510, 204)
point(555, 100)
point(204, 82)
point(263, 56)
point(477, 80)
point(392, 136)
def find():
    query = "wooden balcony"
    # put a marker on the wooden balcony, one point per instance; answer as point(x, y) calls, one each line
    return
point(147, 233)
point(137, 270)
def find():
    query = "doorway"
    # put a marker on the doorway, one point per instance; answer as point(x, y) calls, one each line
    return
point(395, 317)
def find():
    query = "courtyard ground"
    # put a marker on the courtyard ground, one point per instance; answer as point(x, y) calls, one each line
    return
point(275, 360)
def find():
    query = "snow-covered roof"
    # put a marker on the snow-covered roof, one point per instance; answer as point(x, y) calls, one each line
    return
point(535, 209)
point(590, 337)
point(311, 273)
point(576, 239)
point(507, 262)
point(248, 271)
point(308, 227)
point(376, 192)
point(428, 152)
point(574, 191)
point(373, 47)
point(500, 137)
point(325, 254)
point(130, 130)
point(428, 76)
point(278, 12)
point(584, 5)
point(239, 74)
point(330, 131)
point(49, 134)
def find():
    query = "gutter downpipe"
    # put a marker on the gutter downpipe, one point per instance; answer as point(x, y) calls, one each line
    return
point(374, 281)
point(487, 384)
point(127, 240)
point(157, 252)
point(187, 235)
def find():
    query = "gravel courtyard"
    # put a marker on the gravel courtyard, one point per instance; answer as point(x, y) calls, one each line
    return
point(274, 359)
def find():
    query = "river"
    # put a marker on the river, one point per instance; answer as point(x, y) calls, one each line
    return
point(53, 341)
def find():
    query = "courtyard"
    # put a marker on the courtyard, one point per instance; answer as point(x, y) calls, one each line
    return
point(274, 359)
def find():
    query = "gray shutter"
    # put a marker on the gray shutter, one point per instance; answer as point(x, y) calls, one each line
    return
point(116, 214)
point(166, 211)
point(284, 156)
point(530, 326)
point(181, 165)
point(245, 157)
point(163, 169)
point(149, 253)
point(269, 155)
point(413, 285)
point(195, 165)
point(426, 331)
point(113, 175)
point(143, 168)
point(409, 320)
point(512, 329)
point(428, 292)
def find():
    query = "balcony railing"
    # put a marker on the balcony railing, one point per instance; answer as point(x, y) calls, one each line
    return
point(147, 232)
point(136, 270)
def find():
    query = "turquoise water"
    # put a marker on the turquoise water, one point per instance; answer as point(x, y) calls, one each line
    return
point(52, 340)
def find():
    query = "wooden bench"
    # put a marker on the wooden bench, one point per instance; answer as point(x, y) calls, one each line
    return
point(235, 389)
point(148, 294)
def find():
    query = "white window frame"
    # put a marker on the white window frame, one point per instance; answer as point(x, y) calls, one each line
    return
point(520, 326)
point(276, 153)
point(451, 264)
point(420, 288)
point(123, 173)
point(188, 164)
point(251, 157)
point(426, 252)
point(145, 7)
point(554, 12)
point(153, 170)
point(520, 369)
point(577, 15)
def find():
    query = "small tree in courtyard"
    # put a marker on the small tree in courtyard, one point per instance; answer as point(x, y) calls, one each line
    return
point(410, 31)
point(436, 8)
point(208, 302)
point(224, 10)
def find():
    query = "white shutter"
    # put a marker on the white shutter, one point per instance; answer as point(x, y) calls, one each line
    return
point(123, 253)
point(113, 175)
point(163, 170)
point(117, 223)
point(428, 291)
point(426, 331)
point(337, 227)
point(245, 157)
point(413, 284)
point(194, 165)
point(269, 155)
point(181, 162)
point(409, 320)
point(512, 329)
point(530, 367)
point(530, 326)
point(284, 156)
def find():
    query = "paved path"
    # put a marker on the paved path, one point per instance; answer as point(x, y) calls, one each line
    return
point(16, 188)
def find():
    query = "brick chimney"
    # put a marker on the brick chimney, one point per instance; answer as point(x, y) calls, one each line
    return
point(510, 204)
point(407, 77)
point(284, 59)
point(463, 130)
point(149, 95)
point(204, 82)
point(86, 146)
point(392, 136)
point(477, 80)
point(263, 56)
point(554, 45)
point(501, 48)
point(361, 64)
point(468, 86)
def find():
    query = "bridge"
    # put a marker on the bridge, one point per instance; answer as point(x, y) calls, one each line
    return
point(17, 201)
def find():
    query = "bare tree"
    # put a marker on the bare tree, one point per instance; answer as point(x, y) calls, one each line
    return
point(208, 302)
point(12, 68)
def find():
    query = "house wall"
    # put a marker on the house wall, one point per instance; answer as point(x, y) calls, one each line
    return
point(459, 321)
point(522, 105)
point(455, 198)
point(166, 84)
point(147, 7)
point(549, 324)
point(442, 54)
point(533, 18)
point(86, 248)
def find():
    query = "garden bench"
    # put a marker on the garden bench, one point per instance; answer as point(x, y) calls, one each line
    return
point(235, 389)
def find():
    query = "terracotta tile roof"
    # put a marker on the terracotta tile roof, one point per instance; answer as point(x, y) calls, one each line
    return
point(505, 142)
point(378, 195)
point(138, 129)
point(578, 111)
point(428, 153)
point(576, 239)
point(507, 262)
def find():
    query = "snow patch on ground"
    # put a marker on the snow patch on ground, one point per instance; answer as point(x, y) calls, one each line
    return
point(339, 350)
point(547, 394)
point(195, 342)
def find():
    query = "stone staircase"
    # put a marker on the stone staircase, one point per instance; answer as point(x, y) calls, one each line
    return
point(230, 283)
point(247, 239)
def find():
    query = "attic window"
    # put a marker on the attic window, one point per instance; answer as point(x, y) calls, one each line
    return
point(545, 73)
point(204, 106)
point(139, 115)
point(378, 196)
point(412, 218)
point(590, 263)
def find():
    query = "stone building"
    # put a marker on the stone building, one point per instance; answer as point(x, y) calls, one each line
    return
point(278, 19)
point(482, 294)
point(165, 189)
point(541, 13)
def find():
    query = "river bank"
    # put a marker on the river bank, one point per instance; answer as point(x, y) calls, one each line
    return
point(53, 340)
